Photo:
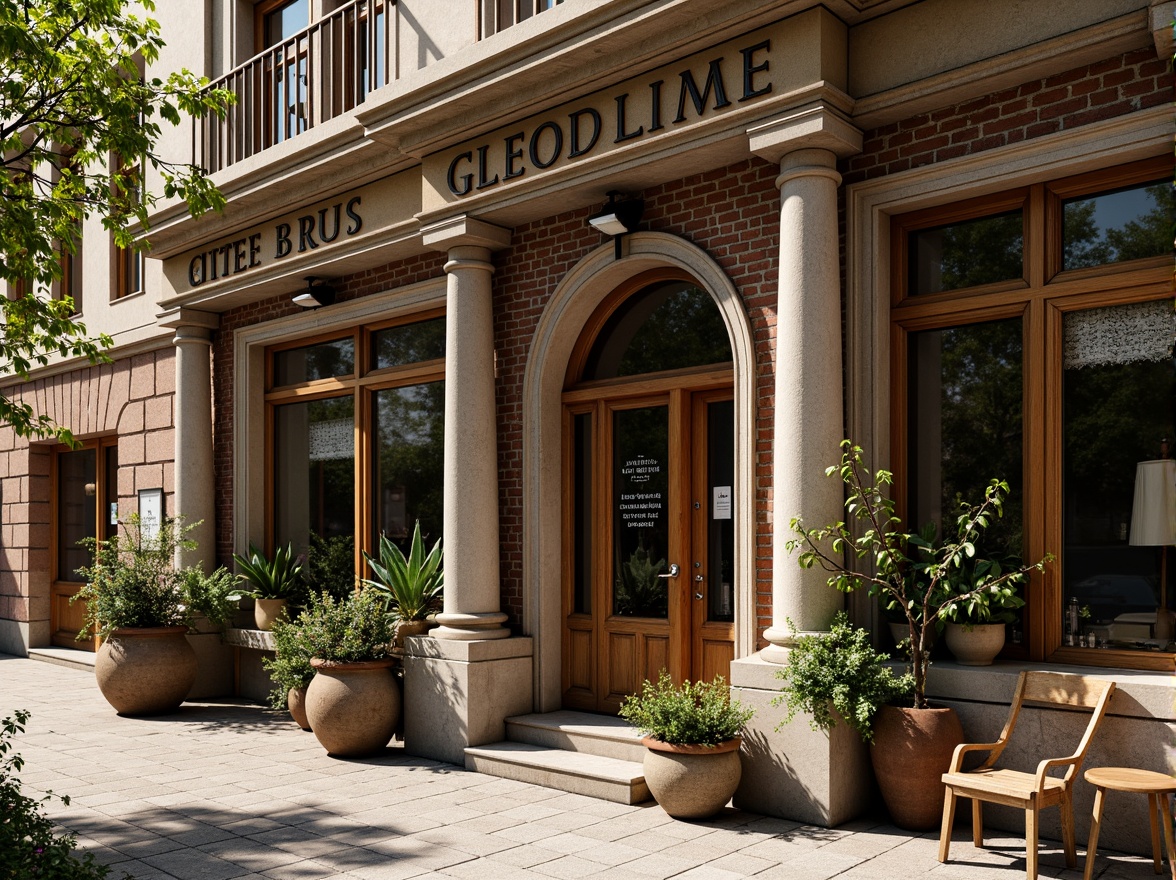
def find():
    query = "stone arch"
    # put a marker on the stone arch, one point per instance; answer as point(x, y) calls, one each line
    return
point(562, 321)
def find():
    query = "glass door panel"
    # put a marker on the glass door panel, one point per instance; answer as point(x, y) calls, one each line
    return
point(720, 481)
point(640, 516)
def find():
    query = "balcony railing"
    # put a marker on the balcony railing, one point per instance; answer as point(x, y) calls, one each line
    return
point(319, 73)
point(495, 16)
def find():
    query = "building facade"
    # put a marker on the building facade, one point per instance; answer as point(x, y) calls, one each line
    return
point(942, 229)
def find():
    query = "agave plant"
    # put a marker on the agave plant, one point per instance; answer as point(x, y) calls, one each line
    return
point(411, 586)
point(277, 578)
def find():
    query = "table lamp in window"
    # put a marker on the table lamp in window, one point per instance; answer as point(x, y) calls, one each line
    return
point(1153, 524)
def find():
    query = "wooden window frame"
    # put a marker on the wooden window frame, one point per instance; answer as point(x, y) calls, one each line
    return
point(1041, 302)
point(360, 384)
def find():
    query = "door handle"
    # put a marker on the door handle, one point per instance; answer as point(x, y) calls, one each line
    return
point(673, 572)
point(698, 595)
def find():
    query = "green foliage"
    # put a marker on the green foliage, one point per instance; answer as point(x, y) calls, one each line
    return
point(344, 630)
point(290, 667)
point(213, 595)
point(908, 572)
point(638, 590)
point(997, 602)
point(277, 578)
point(330, 565)
point(133, 581)
point(839, 670)
point(72, 95)
point(411, 587)
point(29, 846)
point(698, 713)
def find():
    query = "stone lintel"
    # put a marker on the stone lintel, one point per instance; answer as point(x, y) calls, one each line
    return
point(814, 127)
point(464, 231)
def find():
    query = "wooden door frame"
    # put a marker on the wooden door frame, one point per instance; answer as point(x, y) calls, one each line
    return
point(103, 495)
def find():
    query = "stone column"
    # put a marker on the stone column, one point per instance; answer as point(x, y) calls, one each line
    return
point(809, 418)
point(471, 431)
point(825, 778)
point(195, 486)
point(461, 685)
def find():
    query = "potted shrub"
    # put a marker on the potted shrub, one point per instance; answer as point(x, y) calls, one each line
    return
point(839, 675)
point(290, 670)
point(272, 582)
point(411, 587)
point(353, 701)
point(912, 745)
point(142, 606)
point(692, 738)
point(975, 628)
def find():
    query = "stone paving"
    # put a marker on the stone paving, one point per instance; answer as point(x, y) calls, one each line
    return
point(228, 789)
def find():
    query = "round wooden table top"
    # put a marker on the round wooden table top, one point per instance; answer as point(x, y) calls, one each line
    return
point(1130, 779)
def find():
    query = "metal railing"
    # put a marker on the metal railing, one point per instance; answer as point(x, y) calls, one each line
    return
point(319, 73)
point(495, 16)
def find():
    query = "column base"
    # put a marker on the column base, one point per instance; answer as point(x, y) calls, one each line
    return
point(796, 772)
point(460, 693)
point(468, 627)
point(781, 641)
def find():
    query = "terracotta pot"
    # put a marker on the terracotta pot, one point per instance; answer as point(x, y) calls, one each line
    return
point(977, 645)
point(296, 703)
point(692, 782)
point(405, 628)
point(266, 612)
point(146, 671)
point(911, 751)
point(353, 708)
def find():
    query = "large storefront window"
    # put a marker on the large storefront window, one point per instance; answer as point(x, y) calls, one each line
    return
point(357, 444)
point(1034, 342)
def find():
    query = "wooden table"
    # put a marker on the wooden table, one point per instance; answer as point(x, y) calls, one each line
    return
point(1157, 787)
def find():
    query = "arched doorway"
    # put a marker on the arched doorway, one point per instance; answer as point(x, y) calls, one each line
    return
point(648, 484)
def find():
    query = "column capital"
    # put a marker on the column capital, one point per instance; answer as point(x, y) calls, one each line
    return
point(807, 128)
point(189, 323)
point(464, 231)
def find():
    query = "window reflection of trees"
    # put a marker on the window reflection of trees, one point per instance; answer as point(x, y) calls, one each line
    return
point(409, 461)
point(1144, 218)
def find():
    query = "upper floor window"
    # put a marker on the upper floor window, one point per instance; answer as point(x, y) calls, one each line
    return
point(1033, 341)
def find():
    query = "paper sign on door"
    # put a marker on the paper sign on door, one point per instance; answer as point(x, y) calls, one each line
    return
point(721, 505)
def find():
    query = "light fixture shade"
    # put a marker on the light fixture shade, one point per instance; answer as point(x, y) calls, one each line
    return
point(1153, 515)
point(609, 224)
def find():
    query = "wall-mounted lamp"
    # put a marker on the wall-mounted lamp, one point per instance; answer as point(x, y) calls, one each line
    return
point(317, 293)
point(617, 218)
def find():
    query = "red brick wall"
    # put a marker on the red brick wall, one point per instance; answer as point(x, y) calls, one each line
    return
point(1092, 93)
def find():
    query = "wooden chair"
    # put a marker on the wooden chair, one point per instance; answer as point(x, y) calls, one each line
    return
point(1029, 791)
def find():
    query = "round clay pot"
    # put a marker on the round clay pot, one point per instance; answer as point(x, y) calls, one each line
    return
point(266, 612)
point(146, 671)
point(692, 782)
point(911, 751)
point(353, 708)
point(296, 703)
point(976, 645)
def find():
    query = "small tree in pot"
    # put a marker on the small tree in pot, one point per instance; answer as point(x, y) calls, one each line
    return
point(142, 606)
point(353, 701)
point(913, 574)
point(692, 736)
point(272, 583)
point(411, 586)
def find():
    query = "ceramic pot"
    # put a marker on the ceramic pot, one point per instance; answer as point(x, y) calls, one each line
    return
point(911, 751)
point(146, 671)
point(296, 703)
point(405, 628)
point(266, 612)
point(977, 645)
point(692, 782)
point(353, 708)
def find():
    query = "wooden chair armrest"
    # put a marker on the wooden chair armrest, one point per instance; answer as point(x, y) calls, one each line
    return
point(957, 758)
point(1044, 766)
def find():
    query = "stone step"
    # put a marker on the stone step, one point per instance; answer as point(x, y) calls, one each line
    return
point(603, 735)
point(609, 779)
point(68, 657)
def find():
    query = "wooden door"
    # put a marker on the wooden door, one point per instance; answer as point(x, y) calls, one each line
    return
point(84, 505)
point(648, 539)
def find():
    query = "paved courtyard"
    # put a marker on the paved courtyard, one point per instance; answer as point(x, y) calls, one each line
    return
point(225, 790)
